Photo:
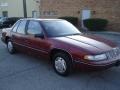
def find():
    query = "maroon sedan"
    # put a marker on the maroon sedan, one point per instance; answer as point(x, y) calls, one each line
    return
point(62, 43)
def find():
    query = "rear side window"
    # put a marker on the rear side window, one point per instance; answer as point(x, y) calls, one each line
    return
point(21, 27)
point(34, 27)
point(16, 26)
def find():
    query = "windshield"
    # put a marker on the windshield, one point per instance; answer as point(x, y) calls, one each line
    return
point(57, 28)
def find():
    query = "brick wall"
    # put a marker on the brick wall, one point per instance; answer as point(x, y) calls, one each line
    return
point(108, 9)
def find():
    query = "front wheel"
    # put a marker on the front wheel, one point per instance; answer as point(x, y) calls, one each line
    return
point(10, 47)
point(62, 64)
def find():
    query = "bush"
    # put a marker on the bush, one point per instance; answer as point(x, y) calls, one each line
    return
point(95, 24)
point(73, 20)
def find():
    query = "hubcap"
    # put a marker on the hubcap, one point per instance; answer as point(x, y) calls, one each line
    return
point(10, 46)
point(60, 65)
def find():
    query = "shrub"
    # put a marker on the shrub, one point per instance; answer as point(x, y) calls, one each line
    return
point(95, 24)
point(73, 20)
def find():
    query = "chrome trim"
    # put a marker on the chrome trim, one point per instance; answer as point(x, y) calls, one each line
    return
point(10, 46)
point(31, 48)
point(113, 62)
point(113, 53)
point(60, 65)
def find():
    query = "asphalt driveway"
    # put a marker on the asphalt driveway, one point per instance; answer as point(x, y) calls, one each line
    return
point(24, 72)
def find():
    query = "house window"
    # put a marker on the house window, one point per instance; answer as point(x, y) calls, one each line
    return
point(86, 14)
point(34, 14)
point(5, 13)
point(49, 13)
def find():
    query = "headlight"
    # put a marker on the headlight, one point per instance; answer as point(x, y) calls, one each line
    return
point(96, 57)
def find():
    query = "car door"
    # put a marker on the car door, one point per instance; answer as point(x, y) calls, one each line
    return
point(18, 34)
point(38, 45)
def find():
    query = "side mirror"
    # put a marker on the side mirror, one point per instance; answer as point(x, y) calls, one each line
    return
point(39, 36)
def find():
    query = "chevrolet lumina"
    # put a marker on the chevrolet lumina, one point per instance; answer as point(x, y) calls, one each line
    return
point(62, 43)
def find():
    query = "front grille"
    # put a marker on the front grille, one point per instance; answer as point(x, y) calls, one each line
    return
point(113, 53)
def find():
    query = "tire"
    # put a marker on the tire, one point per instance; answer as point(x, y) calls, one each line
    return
point(10, 47)
point(62, 64)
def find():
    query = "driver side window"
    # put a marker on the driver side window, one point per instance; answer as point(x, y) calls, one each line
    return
point(34, 28)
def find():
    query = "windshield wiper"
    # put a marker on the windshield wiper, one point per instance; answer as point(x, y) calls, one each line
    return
point(68, 35)
point(75, 34)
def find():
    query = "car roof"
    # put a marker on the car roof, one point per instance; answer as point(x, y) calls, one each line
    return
point(38, 19)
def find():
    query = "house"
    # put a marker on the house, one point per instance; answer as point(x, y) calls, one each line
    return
point(83, 9)
point(107, 9)
point(15, 8)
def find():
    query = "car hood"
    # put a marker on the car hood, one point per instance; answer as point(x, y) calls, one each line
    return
point(90, 43)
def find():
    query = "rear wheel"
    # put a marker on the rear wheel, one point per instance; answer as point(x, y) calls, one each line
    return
point(62, 64)
point(10, 47)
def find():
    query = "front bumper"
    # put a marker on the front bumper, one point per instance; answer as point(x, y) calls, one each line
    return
point(101, 65)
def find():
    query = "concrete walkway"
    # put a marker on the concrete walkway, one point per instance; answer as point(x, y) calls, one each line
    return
point(107, 33)
point(114, 36)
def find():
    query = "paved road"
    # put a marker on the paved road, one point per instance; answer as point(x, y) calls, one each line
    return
point(23, 72)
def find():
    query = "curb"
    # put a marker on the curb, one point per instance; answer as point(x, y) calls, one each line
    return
point(115, 33)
